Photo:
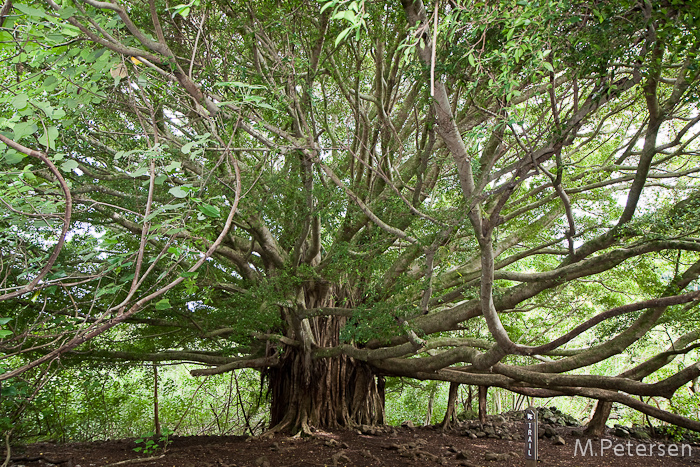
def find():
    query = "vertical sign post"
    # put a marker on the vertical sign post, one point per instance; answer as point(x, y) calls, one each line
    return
point(530, 438)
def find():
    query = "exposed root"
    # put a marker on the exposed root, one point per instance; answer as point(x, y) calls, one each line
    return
point(8, 457)
point(135, 461)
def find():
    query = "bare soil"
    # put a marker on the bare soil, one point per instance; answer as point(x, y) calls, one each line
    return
point(389, 446)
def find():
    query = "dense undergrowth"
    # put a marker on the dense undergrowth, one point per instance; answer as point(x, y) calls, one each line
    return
point(87, 404)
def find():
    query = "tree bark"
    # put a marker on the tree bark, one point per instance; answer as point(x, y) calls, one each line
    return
point(156, 412)
point(451, 403)
point(596, 427)
point(483, 393)
point(323, 393)
point(429, 412)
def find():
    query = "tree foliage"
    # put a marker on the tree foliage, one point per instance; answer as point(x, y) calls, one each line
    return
point(491, 193)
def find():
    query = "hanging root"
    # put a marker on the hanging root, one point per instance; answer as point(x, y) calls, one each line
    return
point(8, 457)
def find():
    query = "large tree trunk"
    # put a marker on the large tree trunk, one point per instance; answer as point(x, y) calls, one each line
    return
point(483, 394)
point(470, 396)
point(429, 412)
point(323, 393)
point(596, 427)
point(450, 414)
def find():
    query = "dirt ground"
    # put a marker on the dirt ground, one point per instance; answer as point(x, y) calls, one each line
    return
point(387, 446)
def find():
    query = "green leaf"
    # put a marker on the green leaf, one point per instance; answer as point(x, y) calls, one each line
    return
point(4, 333)
point(67, 11)
point(48, 139)
point(19, 101)
point(174, 250)
point(182, 9)
point(173, 166)
point(58, 113)
point(548, 66)
point(139, 172)
point(29, 11)
point(189, 274)
point(346, 15)
point(69, 165)
point(209, 210)
point(173, 207)
point(186, 148)
point(163, 304)
point(178, 192)
point(328, 5)
point(265, 106)
point(342, 35)
point(13, 157)
point(5, 320)
point(23, 129)
point(9, 391)
point(50, 84)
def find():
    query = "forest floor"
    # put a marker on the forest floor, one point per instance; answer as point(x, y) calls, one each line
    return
point(380, 446)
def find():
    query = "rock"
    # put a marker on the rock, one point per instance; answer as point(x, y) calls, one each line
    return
point(640, 434)
point(426, 455)
point(577, 433)
point(331, 443)
point(480, 434)
point(340, 457)
point(370, 430)
point(369, 455)
point(558, 441)
point(621, 432)
point(571, 421)
point(549, 431)
point(262, 462)
point(496, 456)
point(408, 424)
point(499, 419)
point(461, 455)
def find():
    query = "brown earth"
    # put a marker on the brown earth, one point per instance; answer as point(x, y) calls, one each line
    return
point(388, 446)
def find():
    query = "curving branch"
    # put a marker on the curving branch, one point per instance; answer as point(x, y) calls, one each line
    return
point(66, 216)
point(99, 328)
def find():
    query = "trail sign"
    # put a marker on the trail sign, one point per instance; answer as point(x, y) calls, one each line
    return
point(530, 437)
